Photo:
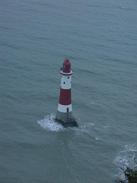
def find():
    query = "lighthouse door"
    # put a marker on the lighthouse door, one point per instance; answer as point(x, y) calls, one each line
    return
point(67, 109)
point(67, 113)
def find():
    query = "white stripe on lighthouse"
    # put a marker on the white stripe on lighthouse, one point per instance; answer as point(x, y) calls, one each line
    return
point(65, 108)
point(66, 82)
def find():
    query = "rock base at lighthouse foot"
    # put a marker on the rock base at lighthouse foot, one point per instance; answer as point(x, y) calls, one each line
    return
point(66, 119)
point(68, 123)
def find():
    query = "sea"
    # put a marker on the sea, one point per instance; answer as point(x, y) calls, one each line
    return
point(100, 39)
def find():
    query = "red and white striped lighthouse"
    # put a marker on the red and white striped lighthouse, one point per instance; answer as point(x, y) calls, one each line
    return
point(64, 111)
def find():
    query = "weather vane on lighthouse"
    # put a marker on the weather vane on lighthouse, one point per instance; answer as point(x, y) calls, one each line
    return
point(64, 111)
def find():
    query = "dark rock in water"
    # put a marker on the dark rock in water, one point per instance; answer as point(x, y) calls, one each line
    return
point(66, 119)
point(68, 123)
point(131, 175)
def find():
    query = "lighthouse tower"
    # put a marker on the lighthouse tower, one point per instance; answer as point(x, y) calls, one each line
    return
point(64, 111)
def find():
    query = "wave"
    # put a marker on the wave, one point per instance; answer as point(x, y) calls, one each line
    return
point(50, 124)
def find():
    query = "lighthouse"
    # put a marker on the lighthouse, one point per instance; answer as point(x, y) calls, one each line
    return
point(64, 110)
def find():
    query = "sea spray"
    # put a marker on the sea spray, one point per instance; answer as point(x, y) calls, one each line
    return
point(126, 158)
point(50, 124)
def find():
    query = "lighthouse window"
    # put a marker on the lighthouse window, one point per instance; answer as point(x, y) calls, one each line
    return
point(68, 77)
point(63, 82)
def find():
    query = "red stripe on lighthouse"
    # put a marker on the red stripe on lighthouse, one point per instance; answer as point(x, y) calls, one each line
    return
point(65, 96)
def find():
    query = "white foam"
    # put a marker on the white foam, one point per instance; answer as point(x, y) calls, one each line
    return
point(126, 158)
point(50, 124)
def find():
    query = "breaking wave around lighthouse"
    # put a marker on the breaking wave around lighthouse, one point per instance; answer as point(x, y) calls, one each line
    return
point(50, 124)
point(126, 158)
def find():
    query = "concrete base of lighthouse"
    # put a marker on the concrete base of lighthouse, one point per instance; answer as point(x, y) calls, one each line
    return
point(66, 119)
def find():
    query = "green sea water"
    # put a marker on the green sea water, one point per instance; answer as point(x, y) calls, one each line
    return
point(100, 39)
